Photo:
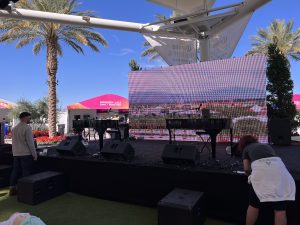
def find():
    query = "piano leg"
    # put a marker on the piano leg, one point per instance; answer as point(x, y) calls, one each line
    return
point(231, 141)
point(213, 138)
point(100, 140)
point(170, 136)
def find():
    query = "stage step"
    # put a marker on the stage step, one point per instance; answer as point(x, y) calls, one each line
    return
point(5, 171)
point(40, 187)
point(182, 206)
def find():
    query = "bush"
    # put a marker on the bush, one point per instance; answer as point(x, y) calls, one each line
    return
point(40, 133)
point(45, 140)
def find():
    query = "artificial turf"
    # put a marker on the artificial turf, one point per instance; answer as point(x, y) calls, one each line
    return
point(73, 209)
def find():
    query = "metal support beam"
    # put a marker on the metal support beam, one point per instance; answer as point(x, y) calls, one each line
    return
point(197, 20)
point(202, 12)
point(25, 14)
point(204, 49)
point(41, 16)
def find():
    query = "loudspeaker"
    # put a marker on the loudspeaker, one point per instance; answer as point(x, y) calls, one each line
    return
point(71, 146)
point(182, 207)
point(40, 187)
point(180, 154)
point(280, 131)
point(118, 150)
point(5, 171)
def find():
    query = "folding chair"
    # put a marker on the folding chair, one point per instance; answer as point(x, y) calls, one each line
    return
point(205, 141)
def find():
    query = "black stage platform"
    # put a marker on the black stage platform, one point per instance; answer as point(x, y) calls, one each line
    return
point(146, 179)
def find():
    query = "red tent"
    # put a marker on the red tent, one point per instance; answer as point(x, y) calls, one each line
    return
point(103, 103)
point(296, 100)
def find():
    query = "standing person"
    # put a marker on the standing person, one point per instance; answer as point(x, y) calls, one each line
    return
point(271, 183)
point(23, 150)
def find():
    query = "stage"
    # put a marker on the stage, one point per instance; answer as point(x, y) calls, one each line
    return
point(146, 179)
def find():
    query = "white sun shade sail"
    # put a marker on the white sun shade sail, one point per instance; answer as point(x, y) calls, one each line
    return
point(186, 6)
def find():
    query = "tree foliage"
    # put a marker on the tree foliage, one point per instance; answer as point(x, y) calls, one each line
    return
point(52, 37)
point(134, 66)
point(280, 34)
point(279, 86)
point(37, 109)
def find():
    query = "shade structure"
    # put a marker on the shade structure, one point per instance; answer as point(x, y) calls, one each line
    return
point(296, 100)
point(103, 103)
point(6, 104)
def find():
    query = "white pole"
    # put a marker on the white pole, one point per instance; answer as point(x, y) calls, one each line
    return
point(204, 49)
point(25, 14)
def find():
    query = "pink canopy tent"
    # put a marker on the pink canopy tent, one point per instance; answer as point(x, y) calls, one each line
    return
point(103, 103)
point(296, 100)
point(6, 104)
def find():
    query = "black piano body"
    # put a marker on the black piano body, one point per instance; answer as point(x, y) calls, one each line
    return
point(102, 125)
point(212, 126)
point(99, 125)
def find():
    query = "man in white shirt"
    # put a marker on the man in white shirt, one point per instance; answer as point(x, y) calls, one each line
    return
point(23, 150)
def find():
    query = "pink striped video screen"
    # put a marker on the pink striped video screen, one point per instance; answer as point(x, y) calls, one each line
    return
point(230, 88)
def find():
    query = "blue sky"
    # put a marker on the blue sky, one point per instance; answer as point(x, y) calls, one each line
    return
point(80, 77)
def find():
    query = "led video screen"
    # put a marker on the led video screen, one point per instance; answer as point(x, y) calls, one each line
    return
point(231, 88)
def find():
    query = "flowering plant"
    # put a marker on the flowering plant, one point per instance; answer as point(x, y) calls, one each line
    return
point(45, 140)
point(40, 133)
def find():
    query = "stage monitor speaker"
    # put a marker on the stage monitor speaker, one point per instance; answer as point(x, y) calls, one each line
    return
point(280, 131)
point(71, 146)
point(180, 154)
point(40, 187)
point(182, 207)
point(118, 150)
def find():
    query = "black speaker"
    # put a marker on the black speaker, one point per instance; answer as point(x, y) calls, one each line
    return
point(118, 150)
point(40, 187)
point(5, 171)
point(280, 131)
point(182, 207)
point(180, 154)
point(71, 146)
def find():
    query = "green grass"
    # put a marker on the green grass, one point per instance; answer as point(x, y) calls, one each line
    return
point(73, 209)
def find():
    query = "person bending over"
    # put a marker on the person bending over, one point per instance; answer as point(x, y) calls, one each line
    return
point(270, 182)
point(23, 150)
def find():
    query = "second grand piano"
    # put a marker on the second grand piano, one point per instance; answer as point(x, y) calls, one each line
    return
point(212, 126)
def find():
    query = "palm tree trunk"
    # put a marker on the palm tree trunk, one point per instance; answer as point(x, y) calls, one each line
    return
point(52, 70)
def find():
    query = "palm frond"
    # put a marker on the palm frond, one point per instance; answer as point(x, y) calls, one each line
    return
point(24, 41)
point(149, 52)
point(59, 50)
point(279, 33)
point(27, 32)
point(75, 46)
point(93, 47)
point(37, 47)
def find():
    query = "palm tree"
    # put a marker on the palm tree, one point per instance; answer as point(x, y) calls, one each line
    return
point(150, 51)
point(50, 36)
point(280, 34)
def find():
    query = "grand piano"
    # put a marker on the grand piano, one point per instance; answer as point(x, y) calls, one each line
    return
point(100, 126)
point(212, 126)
